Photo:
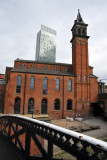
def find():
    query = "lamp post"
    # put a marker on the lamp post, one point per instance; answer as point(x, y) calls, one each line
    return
point(32, 112)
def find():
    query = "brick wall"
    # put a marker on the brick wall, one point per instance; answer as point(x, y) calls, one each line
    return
point(2, 95)
point(37, 94)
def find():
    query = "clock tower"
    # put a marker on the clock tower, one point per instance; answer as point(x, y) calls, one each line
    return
point(80, 61)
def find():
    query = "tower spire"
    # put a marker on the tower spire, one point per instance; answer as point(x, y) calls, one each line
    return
point(79, 18)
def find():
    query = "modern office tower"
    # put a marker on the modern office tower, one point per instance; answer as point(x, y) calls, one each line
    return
point(46, 45)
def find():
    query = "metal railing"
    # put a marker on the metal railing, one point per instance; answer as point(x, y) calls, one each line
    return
point(79, 145)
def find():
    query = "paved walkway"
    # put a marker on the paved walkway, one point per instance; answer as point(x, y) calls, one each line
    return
point(99, 133)
point(6, 152)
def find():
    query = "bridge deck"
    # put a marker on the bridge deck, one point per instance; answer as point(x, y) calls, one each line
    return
point(6, 151)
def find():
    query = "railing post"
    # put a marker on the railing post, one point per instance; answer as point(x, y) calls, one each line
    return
point(27, 144)
point(9, 132)
point(16, 136)
point(50, 149)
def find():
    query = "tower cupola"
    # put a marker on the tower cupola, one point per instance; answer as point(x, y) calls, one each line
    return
point(79, 28)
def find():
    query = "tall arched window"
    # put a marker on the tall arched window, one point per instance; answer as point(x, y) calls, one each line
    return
point(56, 104)
point(69, 104)
point(79, 31)
point(30, 105)
point(32, 82)
point(45, 85)
point(18, 87)
point(69, 84)
point(35, 67)
point(57, 68)
point(57, 84)
point(84, 31)
point(17, 105)
point(85, 78)
point(79, 78)
point(44, 106)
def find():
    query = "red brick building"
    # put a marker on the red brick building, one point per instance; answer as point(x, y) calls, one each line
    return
point(56, 89)
point(2, 91)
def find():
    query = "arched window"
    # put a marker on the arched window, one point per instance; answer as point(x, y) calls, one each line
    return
point(44, 106)
point(17, 105)
point(69, 84)
point(45, 68)
point(32, 82)
point(30, 105)
point(57, 68)
point(45, 85)
point(79, 78)
point(69, 104)
point(57, 84)
point(74, 32)
point(85, 78)
point(56, 104)
point(35, 67)
point(83, 31)
point(18, 87)
point(79, 31)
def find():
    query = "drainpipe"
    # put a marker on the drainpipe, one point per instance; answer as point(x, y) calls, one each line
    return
point(24, 94)
point(63, 100)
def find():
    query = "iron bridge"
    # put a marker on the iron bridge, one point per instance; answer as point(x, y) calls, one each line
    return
point(80, 146)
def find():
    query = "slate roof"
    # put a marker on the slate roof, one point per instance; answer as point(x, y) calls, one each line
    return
point(92, 76)
point(40, 62)
point(79, 18)
point(20, 70)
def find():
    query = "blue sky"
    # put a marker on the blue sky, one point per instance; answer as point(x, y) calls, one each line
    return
point(22, 19)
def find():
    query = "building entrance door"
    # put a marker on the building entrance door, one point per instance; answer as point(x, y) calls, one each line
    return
point(17, 106)
point(30, 105)
point(44, 106)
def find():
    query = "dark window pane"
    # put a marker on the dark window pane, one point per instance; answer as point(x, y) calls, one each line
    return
point(69, 85)
point(79, 78)
point(69, 104)
point(85, 78)
point(56, 104)
point(17, 106)
point(44, 106)
point(45, 85)
point(30, 105)
point(32, 81)
point(57, 84)
point(18, 87)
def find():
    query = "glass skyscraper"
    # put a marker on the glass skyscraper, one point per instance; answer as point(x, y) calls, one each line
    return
point(46, 45)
